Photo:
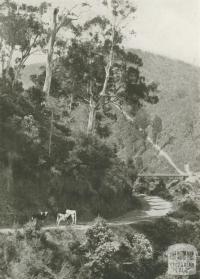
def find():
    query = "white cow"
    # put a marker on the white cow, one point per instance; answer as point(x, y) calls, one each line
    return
point(63, 217)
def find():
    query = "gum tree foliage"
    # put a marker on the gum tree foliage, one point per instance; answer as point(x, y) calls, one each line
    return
point(62, 21)
point(56, 45)
point(22, 33)
point(97, 72)
point(101, 73)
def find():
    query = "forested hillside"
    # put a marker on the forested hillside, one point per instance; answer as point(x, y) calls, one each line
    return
point(179, 92)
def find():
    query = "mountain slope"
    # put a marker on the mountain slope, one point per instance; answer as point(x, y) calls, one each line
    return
point(178, 108)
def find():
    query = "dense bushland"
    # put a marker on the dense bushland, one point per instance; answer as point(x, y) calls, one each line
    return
point(49, 160)
point(82, 172)
point(98, 253)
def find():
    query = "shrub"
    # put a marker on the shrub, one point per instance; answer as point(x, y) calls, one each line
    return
point(105, 255)
point(188, 210)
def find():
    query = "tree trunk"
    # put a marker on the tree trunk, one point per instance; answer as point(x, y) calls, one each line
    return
point(48, 77)
point(91, 117)
point(110, 58)
point(17, 74)
point(2, 62)
point(70, 103)
point(49, 62)
point(51, 133)
point(9, 172)
point(9, 61)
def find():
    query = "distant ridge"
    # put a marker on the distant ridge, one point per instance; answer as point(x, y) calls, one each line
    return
point(146, 52)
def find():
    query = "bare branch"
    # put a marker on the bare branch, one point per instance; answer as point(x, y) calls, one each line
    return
point(126, 115)
point(84, 99)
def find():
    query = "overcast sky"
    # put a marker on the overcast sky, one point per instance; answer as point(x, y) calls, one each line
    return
point(167, 27)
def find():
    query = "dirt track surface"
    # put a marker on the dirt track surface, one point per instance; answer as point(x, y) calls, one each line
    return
point(158, 207)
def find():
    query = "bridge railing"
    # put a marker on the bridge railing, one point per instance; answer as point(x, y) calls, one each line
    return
point(157, 175)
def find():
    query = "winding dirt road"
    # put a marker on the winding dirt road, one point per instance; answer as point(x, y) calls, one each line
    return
point(158, 207)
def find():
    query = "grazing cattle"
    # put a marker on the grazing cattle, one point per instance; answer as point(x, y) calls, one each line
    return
point(40, 216)
point(64, 217)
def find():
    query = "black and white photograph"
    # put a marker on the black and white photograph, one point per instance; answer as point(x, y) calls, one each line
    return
point(99, 139)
